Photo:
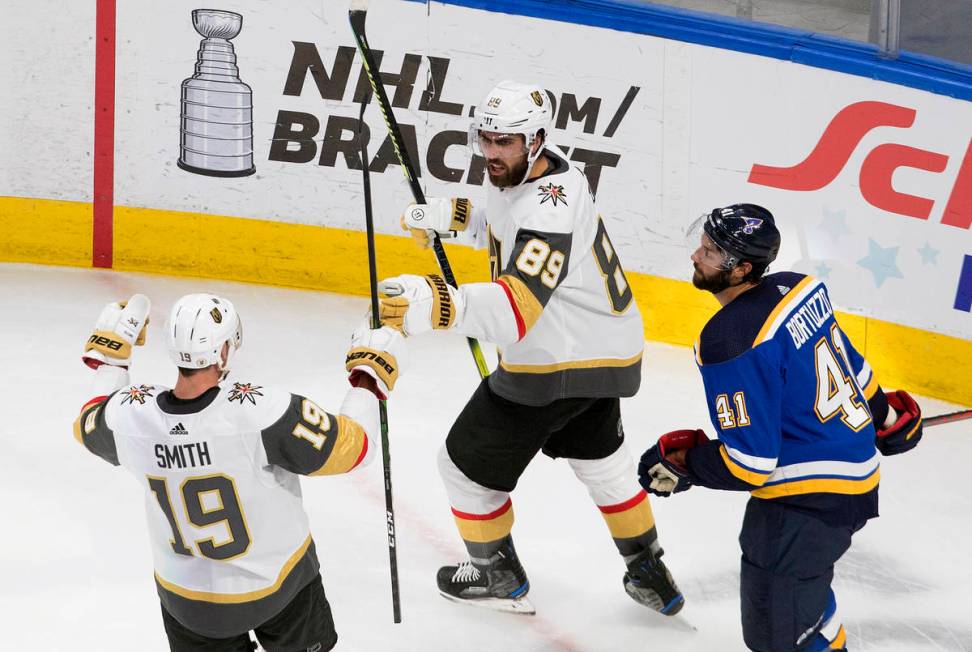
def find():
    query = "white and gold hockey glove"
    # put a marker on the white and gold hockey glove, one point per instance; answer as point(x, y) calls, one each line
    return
point(379, 353)
point(120, 326)
point(447, 217)
point(418, 304)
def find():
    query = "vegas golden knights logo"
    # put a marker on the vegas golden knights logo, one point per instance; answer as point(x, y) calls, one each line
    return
point(216, 315)
point(537, 98)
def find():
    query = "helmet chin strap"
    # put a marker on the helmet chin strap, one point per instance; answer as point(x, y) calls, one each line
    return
point(224, 367)
point(532, 158)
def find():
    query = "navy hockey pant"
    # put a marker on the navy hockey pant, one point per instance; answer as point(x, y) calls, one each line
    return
point(788, 561)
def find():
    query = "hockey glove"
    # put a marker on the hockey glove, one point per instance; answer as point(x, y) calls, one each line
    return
point(658, 472)
point(120, 326)
point(418, 304)
point(443, 216)
point(378, 353)
point(905, 432)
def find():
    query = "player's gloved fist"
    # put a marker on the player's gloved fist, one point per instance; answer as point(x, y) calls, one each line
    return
point(661, 470)
point(444, 216)
point(418, 304)
point(905, 433)
point(379, 353)
point(120, 326)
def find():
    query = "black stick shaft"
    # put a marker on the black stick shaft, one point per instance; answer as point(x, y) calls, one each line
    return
point(357, 17)
point(382, 407)
point(939, 419)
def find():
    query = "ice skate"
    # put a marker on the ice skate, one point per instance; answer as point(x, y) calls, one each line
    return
point(500, 585)
point(648, 582)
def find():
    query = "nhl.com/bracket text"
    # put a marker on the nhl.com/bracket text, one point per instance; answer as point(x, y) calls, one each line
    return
point(304, 137)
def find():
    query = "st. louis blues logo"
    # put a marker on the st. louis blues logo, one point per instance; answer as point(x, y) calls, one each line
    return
point(245, 392)
point(136, 394)
point(751, 224)
point(553, 194)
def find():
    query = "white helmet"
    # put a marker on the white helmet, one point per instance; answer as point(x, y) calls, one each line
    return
point(513, 108)
point(198, 326)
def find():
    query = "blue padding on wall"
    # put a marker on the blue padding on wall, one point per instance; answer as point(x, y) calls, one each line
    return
point(908, 69)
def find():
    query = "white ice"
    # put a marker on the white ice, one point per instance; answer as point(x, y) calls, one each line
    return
point(75, 567)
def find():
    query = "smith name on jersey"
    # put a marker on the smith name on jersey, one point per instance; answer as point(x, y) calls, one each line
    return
point(788, 395)
point(560, 307)
point(231, 542)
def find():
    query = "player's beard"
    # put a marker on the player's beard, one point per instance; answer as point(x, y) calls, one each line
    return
point(714, 284)
point(509, 176)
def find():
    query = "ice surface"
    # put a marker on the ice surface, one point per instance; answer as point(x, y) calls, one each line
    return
point(75, 567)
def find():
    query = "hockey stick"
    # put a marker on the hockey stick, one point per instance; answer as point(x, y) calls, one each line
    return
point(382, 407)
point(357, 14)
point(939, 419)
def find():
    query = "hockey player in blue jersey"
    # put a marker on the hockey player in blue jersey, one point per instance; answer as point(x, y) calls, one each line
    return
point(799, 419)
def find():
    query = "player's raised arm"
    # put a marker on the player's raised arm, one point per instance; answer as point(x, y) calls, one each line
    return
point(310, 441)
point(108, 351)
point(455, 218)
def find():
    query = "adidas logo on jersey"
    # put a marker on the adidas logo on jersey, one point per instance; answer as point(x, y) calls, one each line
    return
point(783, 289)
point(179, 430)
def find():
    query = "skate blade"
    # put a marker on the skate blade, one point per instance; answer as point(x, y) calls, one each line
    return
point(521, 606)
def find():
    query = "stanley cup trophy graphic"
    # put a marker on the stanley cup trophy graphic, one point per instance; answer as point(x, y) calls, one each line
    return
point(217, 109)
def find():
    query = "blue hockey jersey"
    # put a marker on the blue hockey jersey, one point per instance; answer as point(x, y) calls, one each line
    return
point(788, 396)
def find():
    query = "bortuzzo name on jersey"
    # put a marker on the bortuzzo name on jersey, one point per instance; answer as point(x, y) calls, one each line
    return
point(809, 317)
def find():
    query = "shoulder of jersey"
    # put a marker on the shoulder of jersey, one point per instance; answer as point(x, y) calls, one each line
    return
point(743, 324)
point(135, 396)
point(257, 404)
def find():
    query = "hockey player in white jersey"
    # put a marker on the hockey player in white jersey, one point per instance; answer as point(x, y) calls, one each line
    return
point(570, 337)
point(219, 462)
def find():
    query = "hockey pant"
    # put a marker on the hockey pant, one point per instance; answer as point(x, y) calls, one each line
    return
point(787, 569)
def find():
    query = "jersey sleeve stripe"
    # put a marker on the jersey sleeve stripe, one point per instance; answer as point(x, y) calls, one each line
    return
point(520, 326)
point(96, 399)
point(744, 473)
point(754, 462)
point(349, 446)
point(782, 310)
point(525, 305)
point(87, 417)
point(871, 388)
point(237, 598)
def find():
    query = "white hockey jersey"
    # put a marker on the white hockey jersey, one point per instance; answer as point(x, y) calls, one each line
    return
point(560, 307)
point(231, 542)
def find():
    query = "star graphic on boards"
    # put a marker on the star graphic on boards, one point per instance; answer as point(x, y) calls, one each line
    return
point(834, 223)
point(880, 261)
point(929, 255)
